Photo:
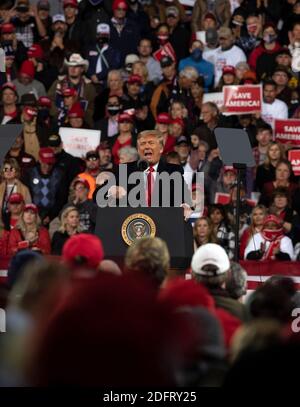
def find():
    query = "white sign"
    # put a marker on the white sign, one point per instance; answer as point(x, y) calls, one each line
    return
point(216, 98)
point(79, 141)
point(201, 36)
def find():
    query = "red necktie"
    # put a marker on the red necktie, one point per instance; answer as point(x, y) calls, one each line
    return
point(150, 184)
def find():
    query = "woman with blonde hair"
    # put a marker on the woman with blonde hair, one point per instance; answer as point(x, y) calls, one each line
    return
point(11, 184)
point(257, 217)
point(203, 232)
point(147, 88)
point(266, 171)
point(69, 226)
point(28, 233)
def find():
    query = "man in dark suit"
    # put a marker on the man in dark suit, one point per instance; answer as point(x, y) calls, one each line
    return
point(149, 181)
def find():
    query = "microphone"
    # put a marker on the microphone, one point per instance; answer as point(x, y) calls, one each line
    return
point(142, 165)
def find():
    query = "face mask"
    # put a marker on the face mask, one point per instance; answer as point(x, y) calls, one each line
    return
point(103, 40)
point(268, 38)
point(197, 54)
point(113, 110)
point(272, 235)
point(163, 38)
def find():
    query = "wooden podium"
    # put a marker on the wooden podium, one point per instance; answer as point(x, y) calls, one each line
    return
point(118, 227)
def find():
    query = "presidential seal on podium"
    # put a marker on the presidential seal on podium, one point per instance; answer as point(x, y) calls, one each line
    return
point(137, 226)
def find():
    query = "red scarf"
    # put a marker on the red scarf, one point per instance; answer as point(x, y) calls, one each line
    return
point(274, 237)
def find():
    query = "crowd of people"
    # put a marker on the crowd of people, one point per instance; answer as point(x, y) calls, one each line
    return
point(84, 321)
point(124, 67)
point(140, 70)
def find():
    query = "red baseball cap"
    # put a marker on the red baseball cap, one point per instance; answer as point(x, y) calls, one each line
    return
point(7, 28)
point(31, 207)
point(163, 118)
point(16, 198)
point(27, 68)
point(228, 69)
point(272, 218)
point(211, 16)
point(125, 117)
point(44, 101)
point(76, 111)
point(134, 79)
point(83, 182)
point(178, 121)
point(9, 85)
point(46, 155)
point(228, 168)
point(31, 112)
point(119, 4)
point(72, 3)
point(83, 245)
point(69, 92)
point(35, 51)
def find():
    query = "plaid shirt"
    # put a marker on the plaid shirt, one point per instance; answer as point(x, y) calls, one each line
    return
point(226, 239)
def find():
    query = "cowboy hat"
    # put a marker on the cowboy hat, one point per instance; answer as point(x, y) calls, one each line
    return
point(76, 60)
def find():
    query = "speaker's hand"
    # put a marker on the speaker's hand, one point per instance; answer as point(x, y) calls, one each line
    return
point(117, 192)
point(187, 210)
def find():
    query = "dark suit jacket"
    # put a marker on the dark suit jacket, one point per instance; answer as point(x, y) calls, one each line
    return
point(165, 193)
point(102, 125)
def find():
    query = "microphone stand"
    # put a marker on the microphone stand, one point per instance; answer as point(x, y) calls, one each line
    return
point(240, 169)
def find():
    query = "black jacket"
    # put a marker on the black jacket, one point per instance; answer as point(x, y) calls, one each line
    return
point(71, 166)
point(58, 241)
point(160, 187)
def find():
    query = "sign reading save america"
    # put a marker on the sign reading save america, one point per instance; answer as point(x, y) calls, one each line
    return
point(294, 158)
point(288, 131)
point(242, 99)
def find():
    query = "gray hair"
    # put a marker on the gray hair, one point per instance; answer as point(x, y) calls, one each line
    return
point(189, 72)
point(130, 152)
point(236, 283)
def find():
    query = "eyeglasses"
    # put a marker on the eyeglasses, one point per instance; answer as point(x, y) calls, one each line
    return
point(7, 169)
point(92, 158)
point(121, 9)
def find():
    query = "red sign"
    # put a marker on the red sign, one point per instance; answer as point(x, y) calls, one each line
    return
point(242, 99)
point(165, 50)
point(221, 198)
point(294, 158)
point(288, 131)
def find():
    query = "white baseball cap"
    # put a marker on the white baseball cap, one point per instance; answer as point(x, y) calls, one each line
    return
point(103, 29)
point(210, 254)
point(58, 17)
